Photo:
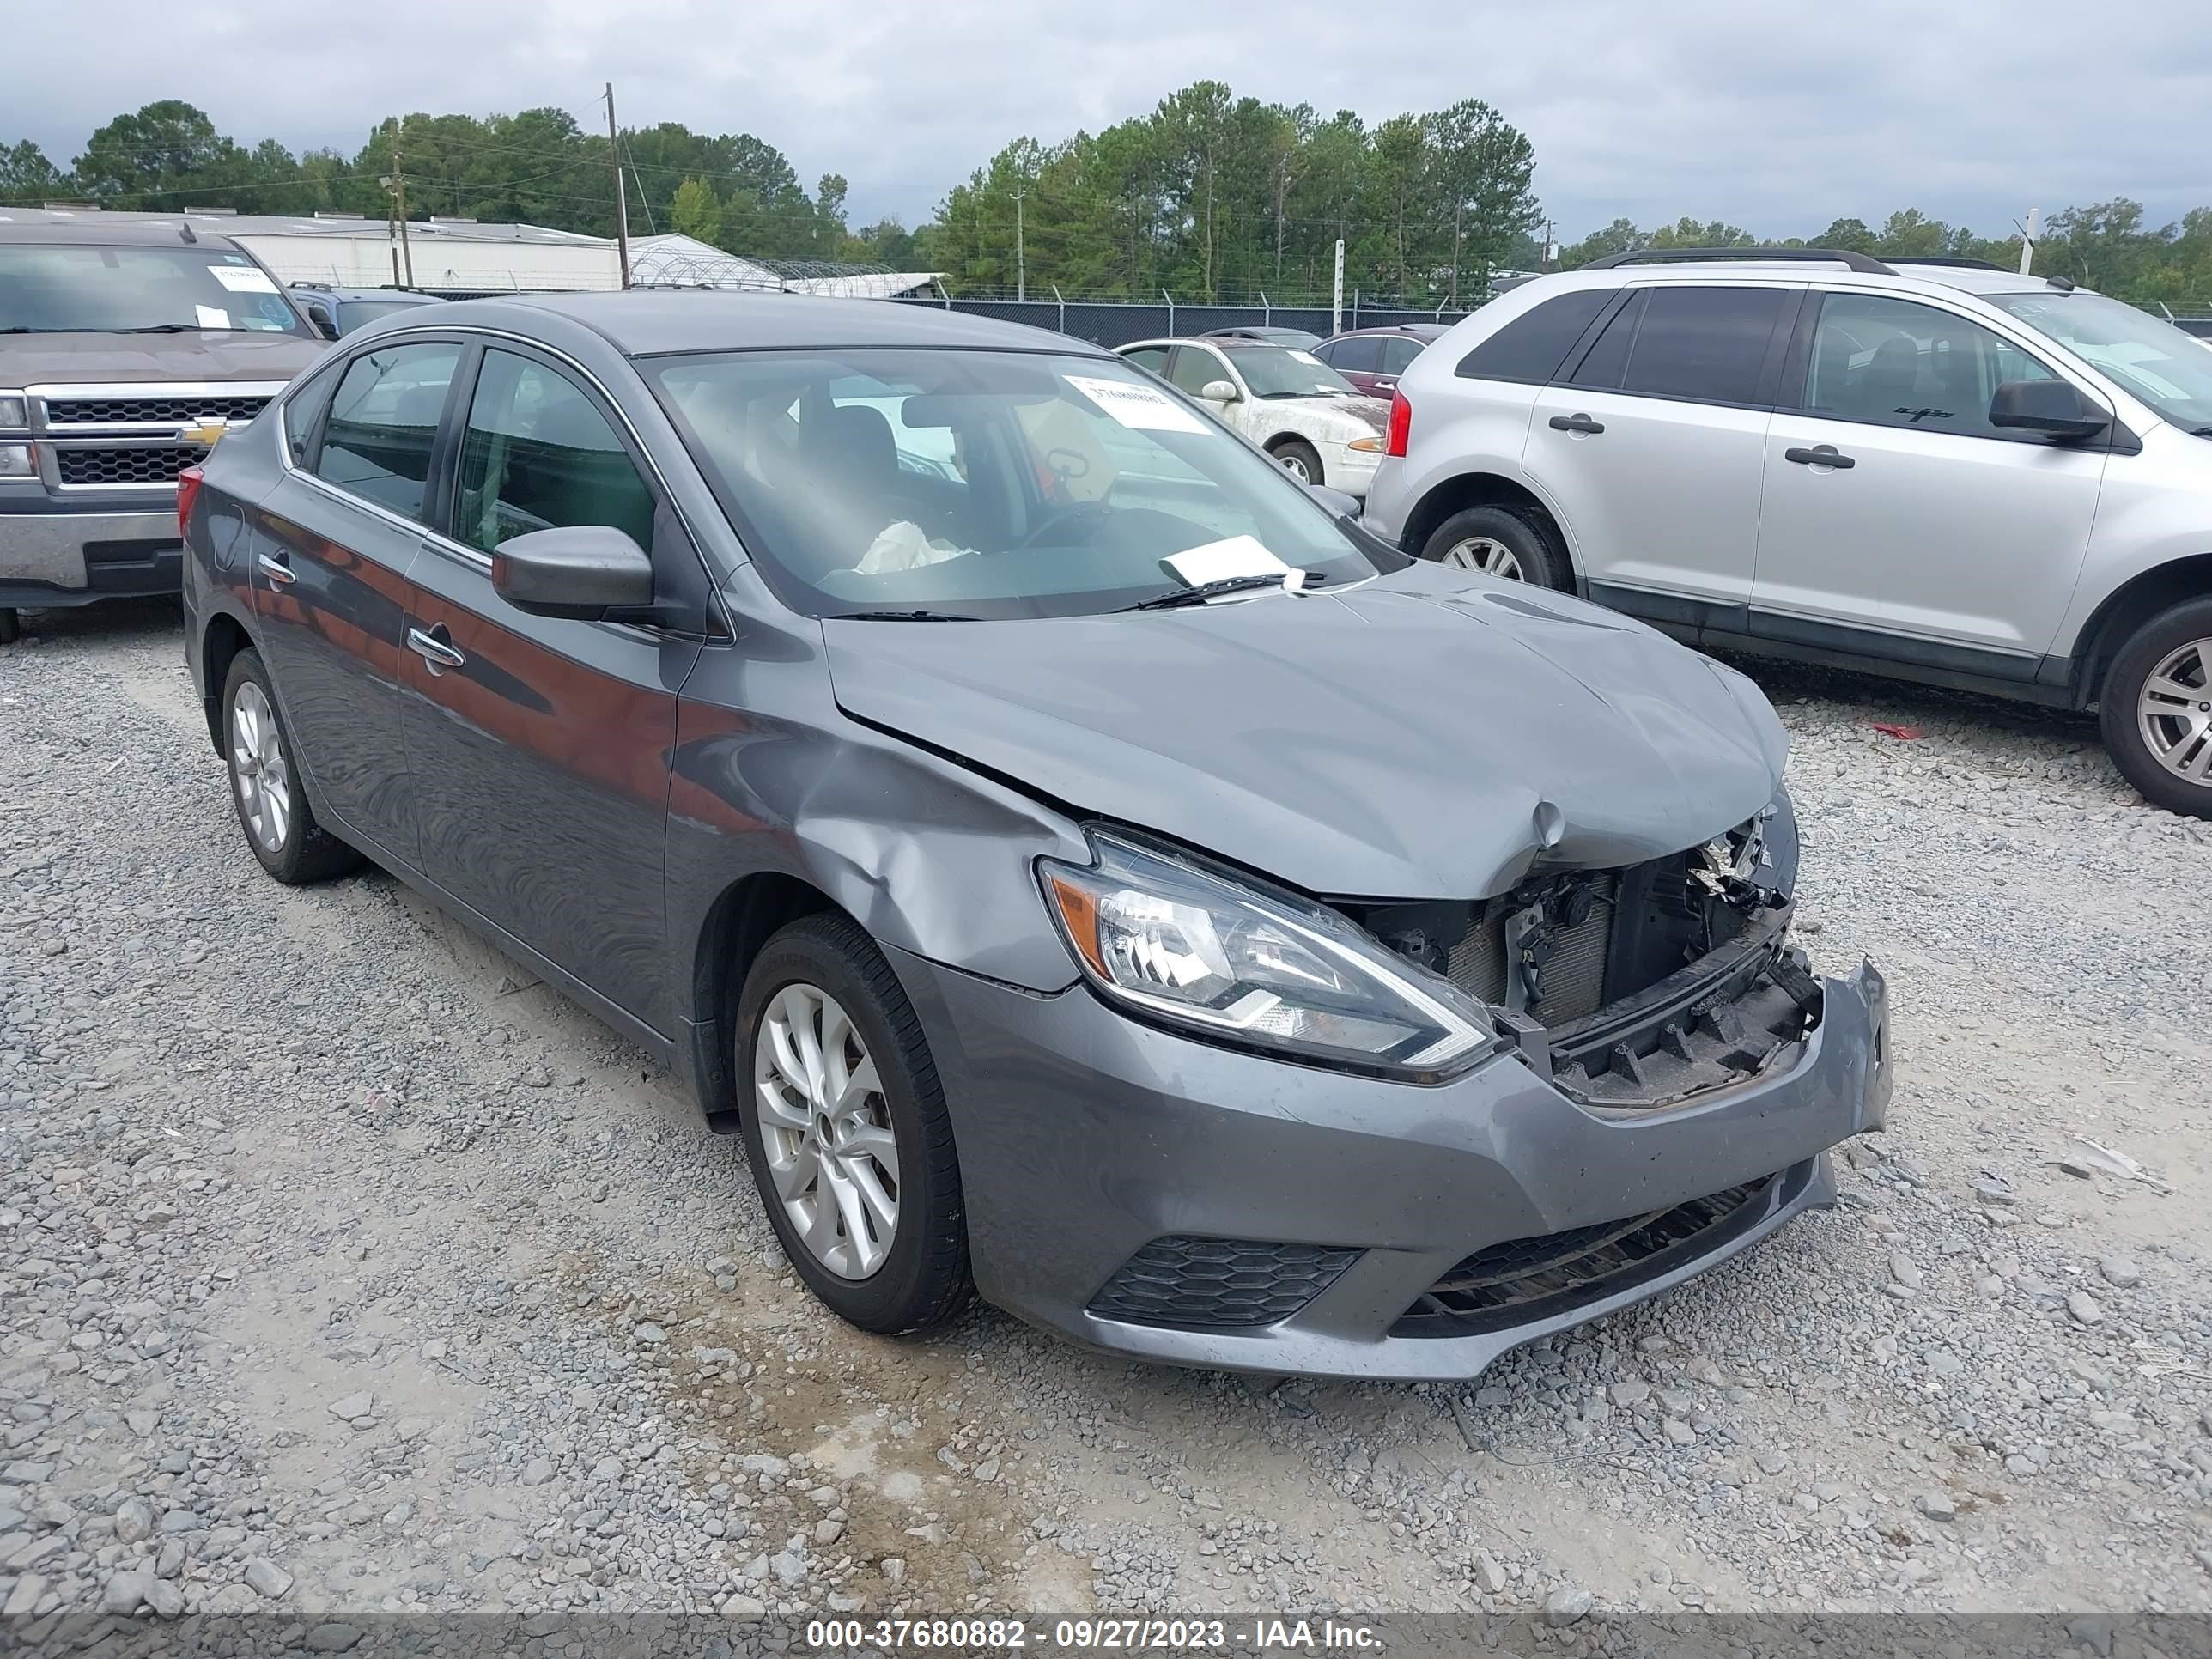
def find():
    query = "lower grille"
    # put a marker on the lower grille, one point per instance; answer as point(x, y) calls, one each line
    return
point(1218, 1283)
point(156, 463)
point(1525, 1280)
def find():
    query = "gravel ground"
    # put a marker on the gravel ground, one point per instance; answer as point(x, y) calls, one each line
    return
point(343, 1269)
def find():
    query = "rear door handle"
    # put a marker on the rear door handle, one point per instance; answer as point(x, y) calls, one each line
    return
point(1819, 455)
point(1581, 423)
point(277, 569)
point(438, 653)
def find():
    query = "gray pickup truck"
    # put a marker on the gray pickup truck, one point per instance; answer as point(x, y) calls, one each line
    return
point(123, 350)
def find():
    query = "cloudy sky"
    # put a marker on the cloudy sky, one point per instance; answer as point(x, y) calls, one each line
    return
point(1779, 118)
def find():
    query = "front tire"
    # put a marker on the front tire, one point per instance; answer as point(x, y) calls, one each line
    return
point(266, 785)
point(1499, 542)
point(1300, 460)
point(2155, 709)
point(846, 1126)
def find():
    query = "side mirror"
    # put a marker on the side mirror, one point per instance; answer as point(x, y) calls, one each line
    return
point(1334, 503)
point(580, 571)
point(2054, 407)
point(1218, 391)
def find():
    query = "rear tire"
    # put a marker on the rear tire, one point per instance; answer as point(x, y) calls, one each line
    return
point(266, 785)
point(1300, 460)
point(2155, 709)
point(11, 626)
point(1499, 542)
point(820, 1154)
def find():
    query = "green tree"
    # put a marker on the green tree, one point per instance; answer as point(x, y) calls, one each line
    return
point(27, 176)
point(697, 211)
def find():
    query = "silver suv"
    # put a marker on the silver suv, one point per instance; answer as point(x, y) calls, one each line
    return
point(1934, 469)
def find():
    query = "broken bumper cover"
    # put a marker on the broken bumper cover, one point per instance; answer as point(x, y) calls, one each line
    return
point(1144, 1194)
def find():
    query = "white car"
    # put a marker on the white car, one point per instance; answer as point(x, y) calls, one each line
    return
point(1321, 426)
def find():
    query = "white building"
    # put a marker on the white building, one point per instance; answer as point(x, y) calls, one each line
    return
point(460, 256)
point(457, 256)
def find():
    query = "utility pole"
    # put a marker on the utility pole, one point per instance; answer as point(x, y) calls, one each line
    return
point(1544, 258)
point(2027, 239)
point(1021, 252)
point(395, 186)
point(1336, 307)
point(621, 200)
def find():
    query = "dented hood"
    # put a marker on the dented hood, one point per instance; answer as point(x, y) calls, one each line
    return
point(1427, 734)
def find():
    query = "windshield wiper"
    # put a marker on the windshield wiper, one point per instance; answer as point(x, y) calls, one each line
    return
point(174, 328)
point(2201, 432)
point(1205, 591)
point(902, 616)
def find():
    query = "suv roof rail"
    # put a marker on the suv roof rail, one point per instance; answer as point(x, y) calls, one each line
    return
point(1956, 261)
point(1663, 256)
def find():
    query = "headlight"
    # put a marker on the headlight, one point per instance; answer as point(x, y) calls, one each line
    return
point(1371, 446)
point(14, 411)
point(17, 461)
point(1199, 947)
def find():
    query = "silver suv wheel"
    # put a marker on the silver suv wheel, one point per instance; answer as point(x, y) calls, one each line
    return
point(2174, 711)
point(258, 769)
point(1486, 554)
point(825, 1127)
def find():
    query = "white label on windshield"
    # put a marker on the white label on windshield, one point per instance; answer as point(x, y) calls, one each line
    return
point(1307, 357)
point(1135, 404)
point(1214, 561)
point(243, 279)
point(210, 317)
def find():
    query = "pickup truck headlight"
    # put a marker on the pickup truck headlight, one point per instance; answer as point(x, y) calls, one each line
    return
point(1199, 947)
point(14, 412)
point(16, 461)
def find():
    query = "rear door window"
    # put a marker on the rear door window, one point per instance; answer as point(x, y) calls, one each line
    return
point(383, 424)
point(1531, 348)
point(1154, 358)
point(1363, 354)
point(1706, 345)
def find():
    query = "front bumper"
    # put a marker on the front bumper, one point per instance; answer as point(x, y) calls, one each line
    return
point(58, 553)
point(1349, 470)
point(1084, 1136)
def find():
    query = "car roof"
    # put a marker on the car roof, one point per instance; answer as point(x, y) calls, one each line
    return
point(342, 295)
point(1907, 274)
point(648, 322)
point(109, 235)
point(1404, 331)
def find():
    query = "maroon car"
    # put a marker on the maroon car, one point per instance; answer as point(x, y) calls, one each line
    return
point(1372, 359)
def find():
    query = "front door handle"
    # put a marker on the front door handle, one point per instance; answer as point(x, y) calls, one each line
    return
point(277, 570)
point(435, 650)
point(1819, 455)
point(1579, 423)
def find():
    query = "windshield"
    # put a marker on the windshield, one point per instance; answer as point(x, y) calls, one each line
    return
point(1274, 370)
point(50, 289)
point(984, 484)
point(2168, 370)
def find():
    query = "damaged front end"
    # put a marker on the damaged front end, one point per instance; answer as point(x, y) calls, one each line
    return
point(1636, 989)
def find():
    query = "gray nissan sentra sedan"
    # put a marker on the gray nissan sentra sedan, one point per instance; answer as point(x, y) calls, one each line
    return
point(1082, 864)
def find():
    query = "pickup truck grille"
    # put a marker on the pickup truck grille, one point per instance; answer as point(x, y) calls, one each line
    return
point(154, 464)
point(148, 411)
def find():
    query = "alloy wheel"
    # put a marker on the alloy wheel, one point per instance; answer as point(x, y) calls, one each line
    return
point(1486, 554)
point(1296, 467)
point(258, 767)
point(2173, 712)
point(825, 1127)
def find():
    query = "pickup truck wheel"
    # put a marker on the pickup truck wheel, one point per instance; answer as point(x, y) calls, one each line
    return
point(846, 1126)
point(265, 786)
point(1498, 541)
point(2155, 707)
point(11, 626)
